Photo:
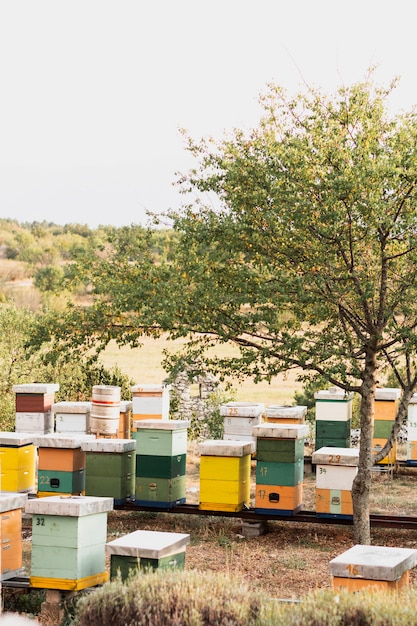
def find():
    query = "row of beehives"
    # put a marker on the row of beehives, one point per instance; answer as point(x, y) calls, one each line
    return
point(69, 549)
point(105, 415)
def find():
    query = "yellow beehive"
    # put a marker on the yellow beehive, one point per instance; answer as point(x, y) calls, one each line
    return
point(224, 475)
point(17, 462)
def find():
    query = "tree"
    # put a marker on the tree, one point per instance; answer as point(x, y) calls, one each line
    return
point(298, 245)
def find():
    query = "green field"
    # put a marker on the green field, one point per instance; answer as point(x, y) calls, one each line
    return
point(143, 365)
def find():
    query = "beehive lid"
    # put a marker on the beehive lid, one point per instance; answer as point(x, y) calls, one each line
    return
point(162, 424)
point(36, 388)
point(69, 506)
point(373, 562)
point(10, 501)
point(336, 456)
point(242, 409)
point(221, 447)
point(281, 431)
point(387, 393)
point(125, 406)
point(71, 407)
point(55, 440)
point(276, 410)
point(109, 445)
point(148, 544)
point(333, 394)
point(150, 388)
point(16, 439)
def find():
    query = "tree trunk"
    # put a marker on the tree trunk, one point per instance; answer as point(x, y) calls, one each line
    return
point(362, 483)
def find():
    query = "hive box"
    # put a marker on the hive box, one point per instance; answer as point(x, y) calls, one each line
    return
point(11, 505)
point(412, 431)
point(72, 417)
point(372, 567)
point(242, 409)
point(146, 549)
point(17, 462)
point(125, 420)
point(333, 404)
point(276, 413)
point(33, 407)
point(150, 402)
point(61, 463)
point(110, 468)
point(68, 541)
point(279, 467)
point(224, 475)
point(336, 469)
point(161, 448)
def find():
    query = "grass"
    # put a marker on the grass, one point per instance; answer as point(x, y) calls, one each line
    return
point(144, 366)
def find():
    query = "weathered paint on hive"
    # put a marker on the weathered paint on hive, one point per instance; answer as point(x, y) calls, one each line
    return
point(37, 388)
point(111, 446)
point(242, 409)
point(281, 431)
point(222, 447)
point(148, 544)
point(373, 562)
point(285, 412)
point(76, 506)
point(336, 456)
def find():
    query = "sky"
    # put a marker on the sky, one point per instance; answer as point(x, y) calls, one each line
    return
point(94, 92)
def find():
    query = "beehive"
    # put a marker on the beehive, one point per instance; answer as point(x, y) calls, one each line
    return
point(385, 410)
point(333, 418)
point(11, 505)
point(412, 431)
point(105, 410)
point(125, 420)
point(161, 449)
point(72, 417)
point(238, 420)
point(110, 468)
point(146, 549)
point(33, 403)
point(150, 402)
point(69, 534)
point(17, 462)
point(61, 464)
point(278, 414)
point(224, 475)
point(279, 467)
point(336, 469)
point(372, 567)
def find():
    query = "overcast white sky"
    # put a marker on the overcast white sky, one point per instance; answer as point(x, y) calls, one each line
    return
point(93, 92)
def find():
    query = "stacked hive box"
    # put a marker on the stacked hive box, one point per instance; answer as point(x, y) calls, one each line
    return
point(333, 418)
point(161, 452)
point(412, 431)
point(69, 535)
point(278, 414)
point(105, 410)
point(224, 475)
point(279, 467)
point(125, 419)
point(17, 462)
point(386, 407)
point(372, 568)
point(72, 417)
point(61, 464)
point(11, 505)
point(146, 549)
point(239, 418)
point(33, 407)
point(335, 470)
point(150, 402)
point(110, 468)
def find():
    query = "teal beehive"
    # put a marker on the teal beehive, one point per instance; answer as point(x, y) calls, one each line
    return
point(68, 541)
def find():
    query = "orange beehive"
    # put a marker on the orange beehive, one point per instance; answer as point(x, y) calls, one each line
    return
point(11, 505)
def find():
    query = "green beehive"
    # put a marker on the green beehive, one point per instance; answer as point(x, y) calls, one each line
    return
point(332, 443)
point(279, 450)
point(160, 492)
point(161, 466)
point(284, 474)
point(156, 437)
point(68, 541)
point(333, 429)
point(53, 481)
point(110, 468)
point(145, 549)
point(382, 428)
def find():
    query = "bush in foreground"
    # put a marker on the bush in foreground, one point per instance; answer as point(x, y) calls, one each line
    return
point(192, 598)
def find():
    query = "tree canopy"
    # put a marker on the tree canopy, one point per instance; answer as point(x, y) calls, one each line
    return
point(297, 243)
